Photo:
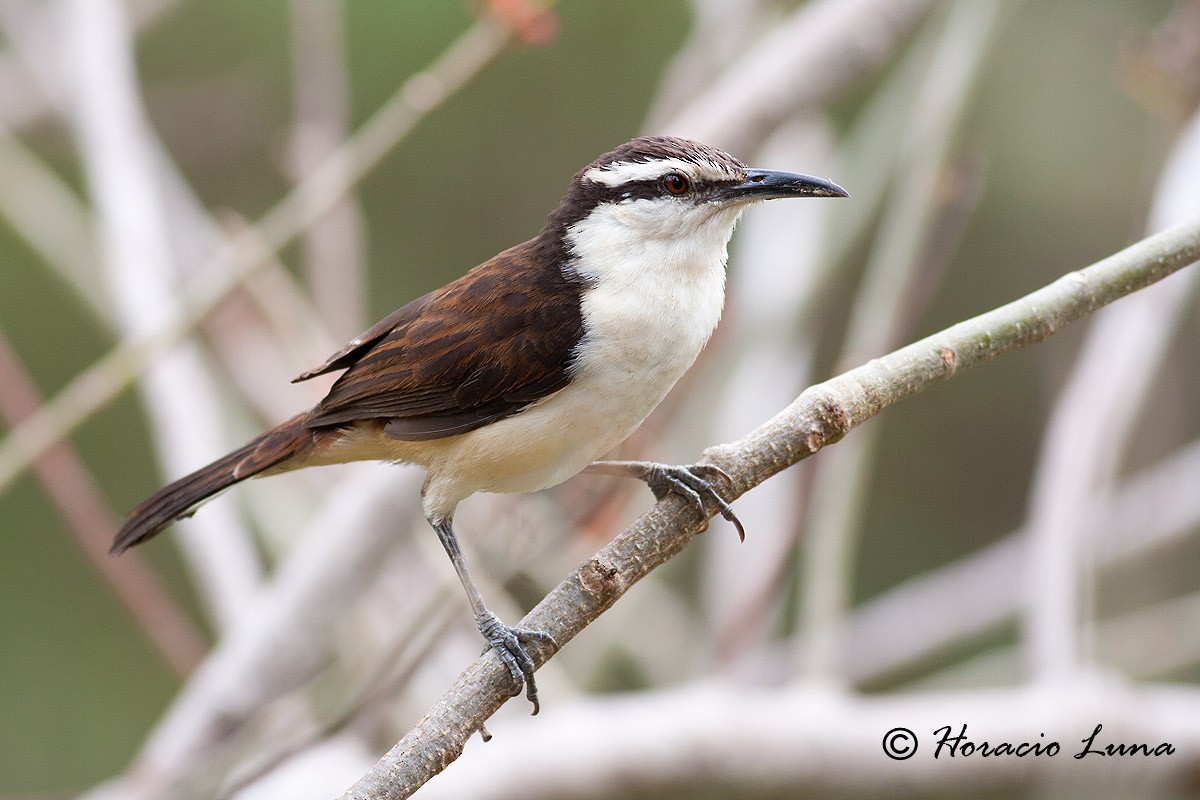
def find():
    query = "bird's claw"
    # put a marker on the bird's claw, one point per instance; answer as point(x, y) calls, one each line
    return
point(507, 640)
point(689, 483)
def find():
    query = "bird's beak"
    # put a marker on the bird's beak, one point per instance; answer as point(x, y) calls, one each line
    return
point(770, 184)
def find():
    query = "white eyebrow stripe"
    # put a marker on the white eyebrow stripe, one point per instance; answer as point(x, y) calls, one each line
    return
point(627, 171)
point(620, 172)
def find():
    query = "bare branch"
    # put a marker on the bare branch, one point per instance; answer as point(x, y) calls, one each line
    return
point(822, 415)
point(334, 249)
point(882, 317)
point(931, 613)
point(720, 739)
point(81, 504)
point(140, 268)
point(810, 58)
point(1089, 430)
point(96, 386)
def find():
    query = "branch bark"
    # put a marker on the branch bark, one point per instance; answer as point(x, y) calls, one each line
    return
point(818, 52)
point(100, 383)
point(81, 504)
point(822, 415)
point(718, 740)
point(1088, 433)
point(934, 612)
point(883, 315)
point(140, 266)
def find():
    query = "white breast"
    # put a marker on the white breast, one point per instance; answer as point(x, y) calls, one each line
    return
point(651, 304)
point(656, 295)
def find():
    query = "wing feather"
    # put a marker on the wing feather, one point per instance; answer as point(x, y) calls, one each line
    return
point(479, 349)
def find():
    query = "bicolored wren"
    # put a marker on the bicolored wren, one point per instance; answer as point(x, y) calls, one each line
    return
point(531, 366)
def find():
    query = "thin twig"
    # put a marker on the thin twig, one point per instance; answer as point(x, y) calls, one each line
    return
point(1090, 428)
point(140, 268)
point(824, 47)
point(334, 247)
point(79, 501)
point(822, 415)
point(723, 740)
point(96, 386)
point(47, 213)
point(880, 319)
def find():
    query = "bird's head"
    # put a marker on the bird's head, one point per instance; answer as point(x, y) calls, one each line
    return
point(659, 190)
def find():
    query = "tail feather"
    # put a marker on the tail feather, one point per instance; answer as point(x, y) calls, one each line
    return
point(179, 500)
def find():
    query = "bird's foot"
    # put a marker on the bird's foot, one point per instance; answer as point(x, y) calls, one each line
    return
point(689, 482)
point(507, 640)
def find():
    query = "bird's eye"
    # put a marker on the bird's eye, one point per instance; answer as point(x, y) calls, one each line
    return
point(675, 183)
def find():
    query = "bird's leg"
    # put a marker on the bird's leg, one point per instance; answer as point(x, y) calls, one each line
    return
point(687, 481)
point(504, 639)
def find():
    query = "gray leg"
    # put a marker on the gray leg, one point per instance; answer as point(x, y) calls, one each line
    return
point(663, 479)
point(504, 639)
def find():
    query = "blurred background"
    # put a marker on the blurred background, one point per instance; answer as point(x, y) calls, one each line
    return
point(199, 200)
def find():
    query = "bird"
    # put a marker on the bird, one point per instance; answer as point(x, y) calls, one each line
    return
point(527, 369)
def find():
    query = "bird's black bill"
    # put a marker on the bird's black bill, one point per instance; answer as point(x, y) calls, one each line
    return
point(770, 184)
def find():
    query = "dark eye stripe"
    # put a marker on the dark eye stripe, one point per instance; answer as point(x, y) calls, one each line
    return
point(649, 189)
point(585, 194)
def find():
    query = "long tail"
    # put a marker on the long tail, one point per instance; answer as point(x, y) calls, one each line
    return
point(179, 499)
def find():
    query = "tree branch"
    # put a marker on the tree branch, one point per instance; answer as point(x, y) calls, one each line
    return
point(881, 319)
point(823, 414)
point(819, 51)
point(96, 386)
point(334, 245)
point(719, 739)
point(1089, 431)
point(934, 612)
point(140, 267)
point(81, 504)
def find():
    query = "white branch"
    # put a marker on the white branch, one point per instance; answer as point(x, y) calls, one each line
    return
point(334, 248)
point(720, 31)
point(880, 318)
point(30, 84)
point(1090, 427)
point(823, 48)
point(113, 133)
point(282, 640)
point(931, 613)
point(713, 737)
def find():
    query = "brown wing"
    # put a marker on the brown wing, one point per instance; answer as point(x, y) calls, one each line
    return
point(479, 349)
point(353, 351)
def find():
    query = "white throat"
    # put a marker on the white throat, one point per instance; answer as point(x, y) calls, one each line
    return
point(655, 294)
point(635, 245)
